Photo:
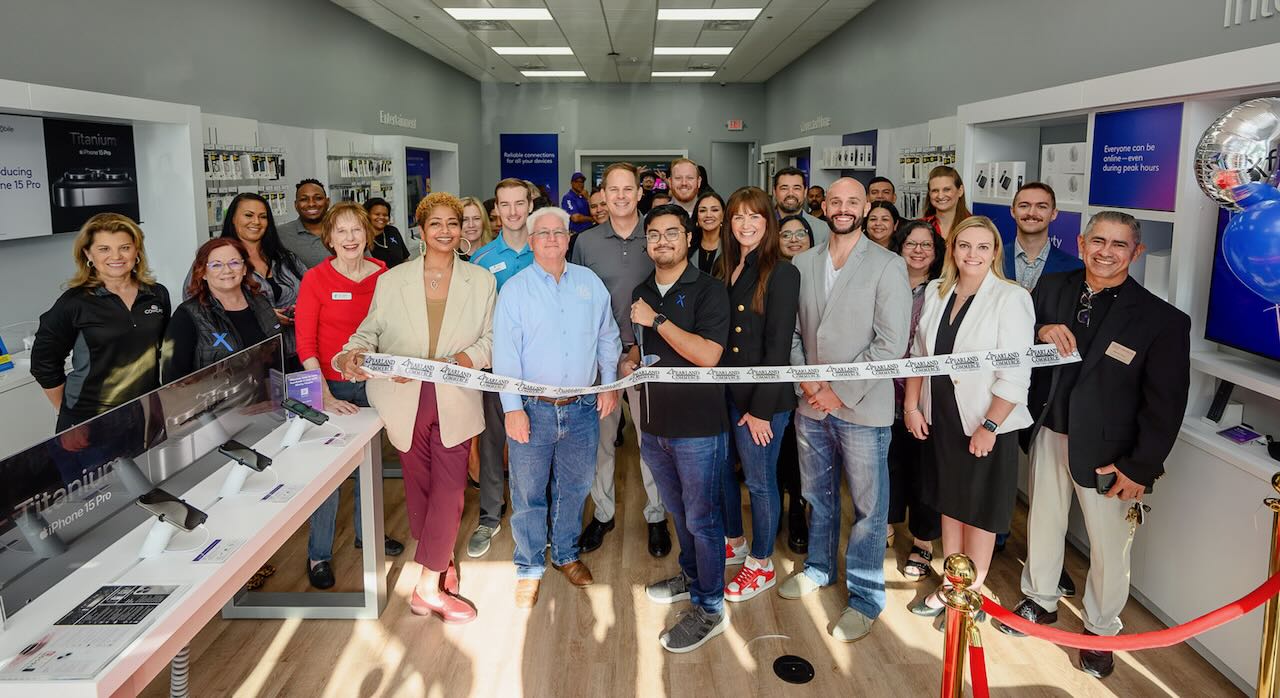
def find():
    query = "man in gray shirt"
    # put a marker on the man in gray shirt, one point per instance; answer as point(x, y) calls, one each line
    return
point(616, 251)
point(302, 237)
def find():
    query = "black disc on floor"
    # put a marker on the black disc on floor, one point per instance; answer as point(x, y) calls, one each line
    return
point(793, 669)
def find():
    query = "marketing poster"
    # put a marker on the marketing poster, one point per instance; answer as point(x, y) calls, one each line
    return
point(1135, 158)
point(532, 156)
point(92, 170)
point(24, 180)
point(1064, 231)
point(417, 170)
point(1238, 316)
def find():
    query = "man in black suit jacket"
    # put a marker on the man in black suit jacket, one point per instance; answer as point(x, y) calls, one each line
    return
point(1103, 426)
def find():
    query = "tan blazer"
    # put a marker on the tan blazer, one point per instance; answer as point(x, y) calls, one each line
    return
point(397, 324)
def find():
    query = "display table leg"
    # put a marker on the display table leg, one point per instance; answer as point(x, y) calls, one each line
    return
point(180, 674)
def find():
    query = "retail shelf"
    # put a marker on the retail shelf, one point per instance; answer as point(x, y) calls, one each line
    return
point(1257, 375)
point(1250, 457)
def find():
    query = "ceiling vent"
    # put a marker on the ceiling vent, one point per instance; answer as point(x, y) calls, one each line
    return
point(704, 66)
point(485, 25)
point(726, 25)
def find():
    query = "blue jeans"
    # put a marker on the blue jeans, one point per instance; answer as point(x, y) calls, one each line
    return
point(324, 520)
point(760, 464)
point(561, 453)
point(864, 452)
point(688, 475)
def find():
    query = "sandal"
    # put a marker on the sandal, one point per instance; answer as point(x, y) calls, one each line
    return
point(914, 569)
point(259, 578)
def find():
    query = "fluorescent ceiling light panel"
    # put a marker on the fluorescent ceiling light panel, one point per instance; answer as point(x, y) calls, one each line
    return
point(554, 73)
point(745, 13)
point(692, 50)
point(683, 73)
point(532, 50)
point(499, 13)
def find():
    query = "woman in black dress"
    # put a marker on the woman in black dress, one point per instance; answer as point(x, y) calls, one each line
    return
point(970, 419)
point(708, 221)
point(388, 244)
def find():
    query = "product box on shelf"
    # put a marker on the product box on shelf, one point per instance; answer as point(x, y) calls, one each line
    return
point(1009, 176)
point(1062, 158)
point(982, 180)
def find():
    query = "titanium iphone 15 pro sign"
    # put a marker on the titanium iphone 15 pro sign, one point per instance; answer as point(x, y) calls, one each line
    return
point(92, 169)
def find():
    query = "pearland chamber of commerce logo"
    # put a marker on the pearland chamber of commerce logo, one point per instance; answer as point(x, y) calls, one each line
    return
point(1233, 12)
point(726, 375)
point(528, 389)
point(920, 367)
point(804, 373)
point(963, 364)
point(765, 374)
point(1042, 357)
point(683, 374)
point(489, 382)
point(453, 375)
point(882, 370)
point(379, 364)
point(1004, 359)
point(420, 369)
point(645, 374)
point(844, 371)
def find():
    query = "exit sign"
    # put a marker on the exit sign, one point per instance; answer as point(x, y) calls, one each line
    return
point(735, 125)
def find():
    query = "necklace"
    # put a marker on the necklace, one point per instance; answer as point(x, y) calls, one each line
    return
point(434, 283)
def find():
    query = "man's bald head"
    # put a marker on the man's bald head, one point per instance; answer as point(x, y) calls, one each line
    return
point(845, 205)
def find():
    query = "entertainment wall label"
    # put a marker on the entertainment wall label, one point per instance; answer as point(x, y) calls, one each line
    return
point(1135, 158)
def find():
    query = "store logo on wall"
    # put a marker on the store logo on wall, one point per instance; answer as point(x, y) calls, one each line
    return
point(820, 122)
point(386, 117)
point(1233, 11)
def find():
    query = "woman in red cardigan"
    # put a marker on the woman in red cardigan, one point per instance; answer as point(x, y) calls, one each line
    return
point(332, 301)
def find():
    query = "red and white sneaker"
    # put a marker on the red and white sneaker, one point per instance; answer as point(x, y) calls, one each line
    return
point(735, 556)
point(749, 581)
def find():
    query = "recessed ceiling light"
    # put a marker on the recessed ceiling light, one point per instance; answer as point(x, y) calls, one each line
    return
point(745, 13)
point(683, 73)
point(500, 13)
point(554, 73)
point(532, 50)
point(692, 50)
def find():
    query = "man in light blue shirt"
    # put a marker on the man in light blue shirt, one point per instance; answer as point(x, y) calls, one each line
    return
point(553, 325)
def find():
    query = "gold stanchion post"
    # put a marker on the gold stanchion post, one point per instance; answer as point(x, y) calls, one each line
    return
point(962, 602)
point(1270, 659)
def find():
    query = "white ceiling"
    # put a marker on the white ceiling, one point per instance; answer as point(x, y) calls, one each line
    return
point(783, 31)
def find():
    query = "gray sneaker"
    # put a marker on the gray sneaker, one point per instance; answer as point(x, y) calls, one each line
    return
point(669, 590)
point(693, 629)
point(480, 540)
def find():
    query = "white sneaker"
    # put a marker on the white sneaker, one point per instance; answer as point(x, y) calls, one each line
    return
point(798, 585)
point(735, 556)
point(750, 581)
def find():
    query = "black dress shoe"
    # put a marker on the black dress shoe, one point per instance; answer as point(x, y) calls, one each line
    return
point(1066, 587)
point(1097, 663)
point(320, 576)
point(390, 546)
point(593, 535)
point(797, 529)
point(1031, 611)
point(659, 539)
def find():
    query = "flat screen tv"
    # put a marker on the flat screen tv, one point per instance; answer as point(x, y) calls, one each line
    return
point(1237, 316)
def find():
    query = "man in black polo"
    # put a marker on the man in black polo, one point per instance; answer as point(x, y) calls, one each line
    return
point(682, 317)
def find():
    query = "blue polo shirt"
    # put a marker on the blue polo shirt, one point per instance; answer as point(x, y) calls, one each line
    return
point(502, 261)
point(574, 203)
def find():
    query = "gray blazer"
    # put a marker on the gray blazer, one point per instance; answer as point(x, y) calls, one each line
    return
point(866, 318)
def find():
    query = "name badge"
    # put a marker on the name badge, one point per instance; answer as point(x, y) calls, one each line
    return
point(497, 267)
point(341, 296)
point(1121, 353)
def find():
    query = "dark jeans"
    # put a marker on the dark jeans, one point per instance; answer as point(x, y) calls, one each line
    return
point(906, 455)
point(492, 441)
point(760, 465)
point(689, 480)
point(789, 467)
point(324, 521)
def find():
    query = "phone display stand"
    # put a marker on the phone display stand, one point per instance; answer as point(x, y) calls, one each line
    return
point(163, 536)
point(293, 435)
point(240, 475)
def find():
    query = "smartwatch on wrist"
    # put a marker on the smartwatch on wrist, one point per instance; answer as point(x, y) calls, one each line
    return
point(990, 425)
point(658, 320)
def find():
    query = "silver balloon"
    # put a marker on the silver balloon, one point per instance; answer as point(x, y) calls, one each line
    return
point(1239, 148)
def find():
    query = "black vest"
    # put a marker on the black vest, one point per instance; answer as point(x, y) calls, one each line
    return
point(212, 319)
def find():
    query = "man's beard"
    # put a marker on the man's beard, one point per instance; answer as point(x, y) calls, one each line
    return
point(857, 225)
point(788, 210)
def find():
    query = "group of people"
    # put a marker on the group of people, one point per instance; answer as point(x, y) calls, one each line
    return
point(591, 292)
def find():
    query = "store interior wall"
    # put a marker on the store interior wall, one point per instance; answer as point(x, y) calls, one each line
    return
point(619, 117)
point(900, 63)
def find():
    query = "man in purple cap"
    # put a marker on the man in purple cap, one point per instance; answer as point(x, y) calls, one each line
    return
point(576, 205)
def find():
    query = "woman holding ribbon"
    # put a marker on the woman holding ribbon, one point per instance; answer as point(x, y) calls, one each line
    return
point(431, 307)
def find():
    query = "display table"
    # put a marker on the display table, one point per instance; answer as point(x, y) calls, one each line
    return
point(26, 417)
point(316, 466)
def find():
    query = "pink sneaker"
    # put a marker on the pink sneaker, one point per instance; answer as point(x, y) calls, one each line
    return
point(735, 556)
point(749, 581)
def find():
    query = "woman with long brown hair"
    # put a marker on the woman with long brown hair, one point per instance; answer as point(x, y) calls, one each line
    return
point(947, 205)
point(764, 296)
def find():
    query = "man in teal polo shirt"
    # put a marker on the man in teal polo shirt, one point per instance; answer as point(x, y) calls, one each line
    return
point(506, 256)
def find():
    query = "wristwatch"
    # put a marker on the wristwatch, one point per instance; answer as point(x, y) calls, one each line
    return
point(658, 320)
point(990, 425)
point(450, 360)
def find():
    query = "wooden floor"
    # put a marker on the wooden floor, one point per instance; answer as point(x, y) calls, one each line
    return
point(603, 641)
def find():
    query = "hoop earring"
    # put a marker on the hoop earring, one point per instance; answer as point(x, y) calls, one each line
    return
point(468, 252)
point(422, 247)
point(88, 263)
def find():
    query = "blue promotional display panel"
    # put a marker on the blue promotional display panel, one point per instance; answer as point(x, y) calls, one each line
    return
point(1135, 158)
point(1064, 231)
point(1239, 317)
point(532, 156)
point(417, 170)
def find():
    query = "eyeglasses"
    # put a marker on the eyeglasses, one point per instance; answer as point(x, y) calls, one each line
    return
point(1086, 306)
point(794, 235)
point(925, 246)
point(233, 265)
point(668, 235)
point(546, 234)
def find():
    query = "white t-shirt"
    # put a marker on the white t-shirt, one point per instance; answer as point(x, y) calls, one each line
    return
point(832, 274)
point(663, 288)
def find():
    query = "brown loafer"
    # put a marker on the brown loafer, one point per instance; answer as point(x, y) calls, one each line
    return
point(577, 573)
point(527, 592)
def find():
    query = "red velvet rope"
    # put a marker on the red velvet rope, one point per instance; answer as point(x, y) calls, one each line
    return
point(1140, 641)
point(978, 670)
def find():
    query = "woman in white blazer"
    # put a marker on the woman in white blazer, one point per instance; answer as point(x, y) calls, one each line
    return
point(971, 419)
point(433, 307)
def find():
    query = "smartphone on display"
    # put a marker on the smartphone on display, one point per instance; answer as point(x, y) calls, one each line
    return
point(244, 455)
point(304, 410)
point(169, 508)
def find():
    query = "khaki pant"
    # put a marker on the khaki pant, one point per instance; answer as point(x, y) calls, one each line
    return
point(1107, 588)
point(602, 490)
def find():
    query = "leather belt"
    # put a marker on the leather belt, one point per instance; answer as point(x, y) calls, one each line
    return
point(560, 402)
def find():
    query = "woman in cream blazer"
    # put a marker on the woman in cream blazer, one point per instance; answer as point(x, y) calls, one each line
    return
point(433, 307)
point(970, 418)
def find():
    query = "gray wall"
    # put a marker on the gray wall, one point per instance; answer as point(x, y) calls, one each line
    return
point(617, 117)
point(302, 63)
point(899, 63)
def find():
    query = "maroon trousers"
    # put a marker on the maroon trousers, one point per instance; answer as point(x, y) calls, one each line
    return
point(435, 479)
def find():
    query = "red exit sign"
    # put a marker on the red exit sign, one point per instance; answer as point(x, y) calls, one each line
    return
point(735, 125)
